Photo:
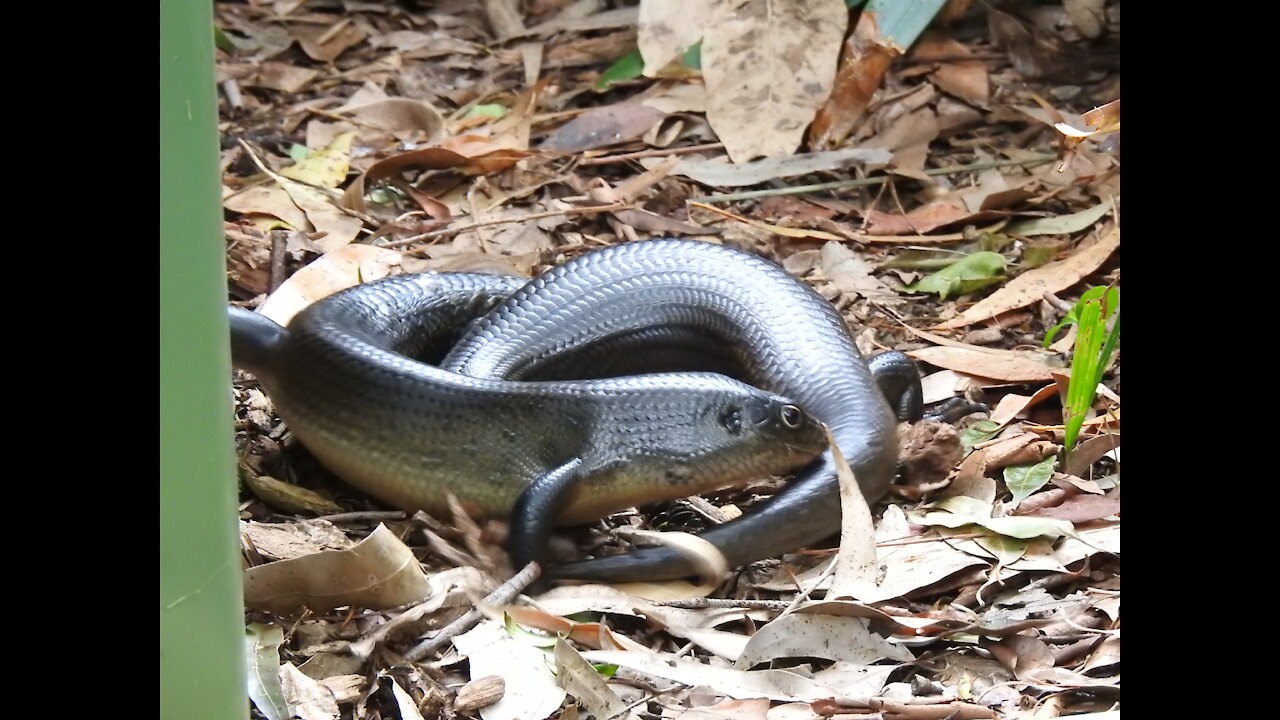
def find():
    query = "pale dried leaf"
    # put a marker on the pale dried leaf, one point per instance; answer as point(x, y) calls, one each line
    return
point(719, 173)
point(849, 273)
point(667, 28)
point(768, 65)
point(405, 118)
point(531, 692)
point(326, 43)
point(832, 637)
point(685, 97)
point(268, 200)
point(1011, 366)
point(741, 684)
point(343, 268)
point(584, 684)
point(1031, 286)
point(909, 566)
point(323, 212)
point(753, 709)
point(855, 569)
point(378, 572)
point(282, 541)
point(405, 704)
point(307, 698)
point(618, 17)
point(282, 77)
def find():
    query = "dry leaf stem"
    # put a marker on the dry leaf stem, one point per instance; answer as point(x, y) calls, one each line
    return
point(660, 152)
point(858, 182)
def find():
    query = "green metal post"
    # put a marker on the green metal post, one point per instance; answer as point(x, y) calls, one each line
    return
point(201, 614)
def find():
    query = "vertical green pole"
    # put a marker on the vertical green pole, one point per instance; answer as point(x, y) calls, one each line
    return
point(201, 618)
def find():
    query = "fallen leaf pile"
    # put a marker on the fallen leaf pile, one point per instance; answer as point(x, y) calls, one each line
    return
point(952, 196)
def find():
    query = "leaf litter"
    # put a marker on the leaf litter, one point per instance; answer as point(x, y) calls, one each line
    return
point(363, 139)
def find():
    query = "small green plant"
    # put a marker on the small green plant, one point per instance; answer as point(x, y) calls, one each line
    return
point(1093, 350)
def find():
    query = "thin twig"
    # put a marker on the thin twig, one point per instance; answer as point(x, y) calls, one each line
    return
point(703, 603)
point(378, 515)
point(443, 232)
point(661, 152)
point(504, 594)
point(859, 182)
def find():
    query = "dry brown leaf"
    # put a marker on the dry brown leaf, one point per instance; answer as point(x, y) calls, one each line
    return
point(337, 270)
point(850, 273)
point(282, 77)
point(863, 64)
point(924, 218)
point(404, 118)
point(1031, 286)
point(965, 80)
point(270, 200)
point(1080, 508)
point(667, 28)
point(1008, 365)
point(1012, 404)
point(504, 17)
point(378, 572)
point(601, 127)
point(326, 43)
point(1090, 451)
point(490, 159)
point(768, 65)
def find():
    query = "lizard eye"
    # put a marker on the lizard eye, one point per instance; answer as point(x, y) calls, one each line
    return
point(791, 416)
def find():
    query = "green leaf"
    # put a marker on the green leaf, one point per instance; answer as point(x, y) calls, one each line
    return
point(967, 274)
point(606, 669)
point(1036, 255)
point(964, 505)
point(1093, 349)
point(1060, 224)
point(1022, 480)
point(535, 639)
point(692, 57)
point(1006, 549)
point(993, 241)
point(298, 152)
point(627, 67)
point(981, 431)
point(920, 260)
point(1015, 527)
point(262, 656)
point(221, 41)
point(489, 110)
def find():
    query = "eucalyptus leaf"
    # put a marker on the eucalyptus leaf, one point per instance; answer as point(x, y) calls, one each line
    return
point(1022, 480)
point(1060, 224)
point(965, 275)
point(627, 67)
point(262, 659)
point(980, 431)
